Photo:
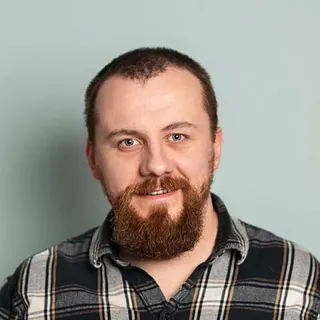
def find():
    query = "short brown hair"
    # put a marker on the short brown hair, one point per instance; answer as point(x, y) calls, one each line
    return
point(145, 63)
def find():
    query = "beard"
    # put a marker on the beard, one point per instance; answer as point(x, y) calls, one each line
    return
point(158, 236)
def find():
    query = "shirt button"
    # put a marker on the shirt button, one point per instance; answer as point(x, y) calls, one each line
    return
point(167, 316)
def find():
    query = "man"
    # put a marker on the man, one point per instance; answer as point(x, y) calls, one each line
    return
point(169, 248)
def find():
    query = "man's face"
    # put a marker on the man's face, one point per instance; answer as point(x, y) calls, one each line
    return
point(152, 138)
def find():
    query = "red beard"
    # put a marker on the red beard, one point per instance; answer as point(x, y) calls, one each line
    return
point(159, 236)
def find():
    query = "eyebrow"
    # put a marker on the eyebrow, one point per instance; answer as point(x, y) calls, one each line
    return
point(172, 126)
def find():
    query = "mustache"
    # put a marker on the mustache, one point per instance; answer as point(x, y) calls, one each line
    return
point(152, 184)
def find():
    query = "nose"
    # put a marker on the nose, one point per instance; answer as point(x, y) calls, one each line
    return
point(155, 162)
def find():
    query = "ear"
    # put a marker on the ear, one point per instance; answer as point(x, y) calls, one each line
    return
point(91, 160)
point(218, 147)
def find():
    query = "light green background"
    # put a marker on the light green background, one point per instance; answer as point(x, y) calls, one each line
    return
point(264, 60)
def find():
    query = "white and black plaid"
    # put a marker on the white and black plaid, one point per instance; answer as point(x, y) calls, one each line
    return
point(252, 274)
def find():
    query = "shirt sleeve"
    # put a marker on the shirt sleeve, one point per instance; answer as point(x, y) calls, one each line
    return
point(6, 299)
point(11, 305)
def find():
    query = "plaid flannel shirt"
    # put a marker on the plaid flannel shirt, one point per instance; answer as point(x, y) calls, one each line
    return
point(251, 274)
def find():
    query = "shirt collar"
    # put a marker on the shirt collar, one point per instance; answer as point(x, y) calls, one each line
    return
point(232, 235)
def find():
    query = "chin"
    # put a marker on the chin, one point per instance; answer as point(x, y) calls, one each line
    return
point(174, 214)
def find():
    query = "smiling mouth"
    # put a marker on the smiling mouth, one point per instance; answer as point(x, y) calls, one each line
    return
point(158, 192)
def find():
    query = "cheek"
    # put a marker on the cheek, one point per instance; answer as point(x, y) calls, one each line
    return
point(193, 168)
point(116, 174)
point(196, 165)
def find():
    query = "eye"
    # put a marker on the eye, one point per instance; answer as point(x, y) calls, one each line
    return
point(177, 137)
point(128, 143)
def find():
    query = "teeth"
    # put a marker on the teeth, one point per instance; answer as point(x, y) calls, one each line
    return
point(155, 193)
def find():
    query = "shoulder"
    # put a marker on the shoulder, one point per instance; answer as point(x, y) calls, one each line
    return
point(36, 273)
point(264, 240)
point(72, 250)
point(285, 261)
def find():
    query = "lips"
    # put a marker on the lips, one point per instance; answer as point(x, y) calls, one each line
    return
point(159, 195)
point(158, 192)
point(153, 187)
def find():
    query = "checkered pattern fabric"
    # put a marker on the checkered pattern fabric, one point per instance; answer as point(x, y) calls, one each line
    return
point(251, 274)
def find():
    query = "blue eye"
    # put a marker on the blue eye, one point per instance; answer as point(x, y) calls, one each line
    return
point(127, 142)
point(177, 137)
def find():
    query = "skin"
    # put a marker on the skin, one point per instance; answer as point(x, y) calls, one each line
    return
point(168, 133)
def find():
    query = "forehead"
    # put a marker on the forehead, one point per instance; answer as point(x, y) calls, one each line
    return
point(174, 95)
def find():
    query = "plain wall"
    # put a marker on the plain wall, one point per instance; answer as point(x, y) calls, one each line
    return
point(263, 57)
